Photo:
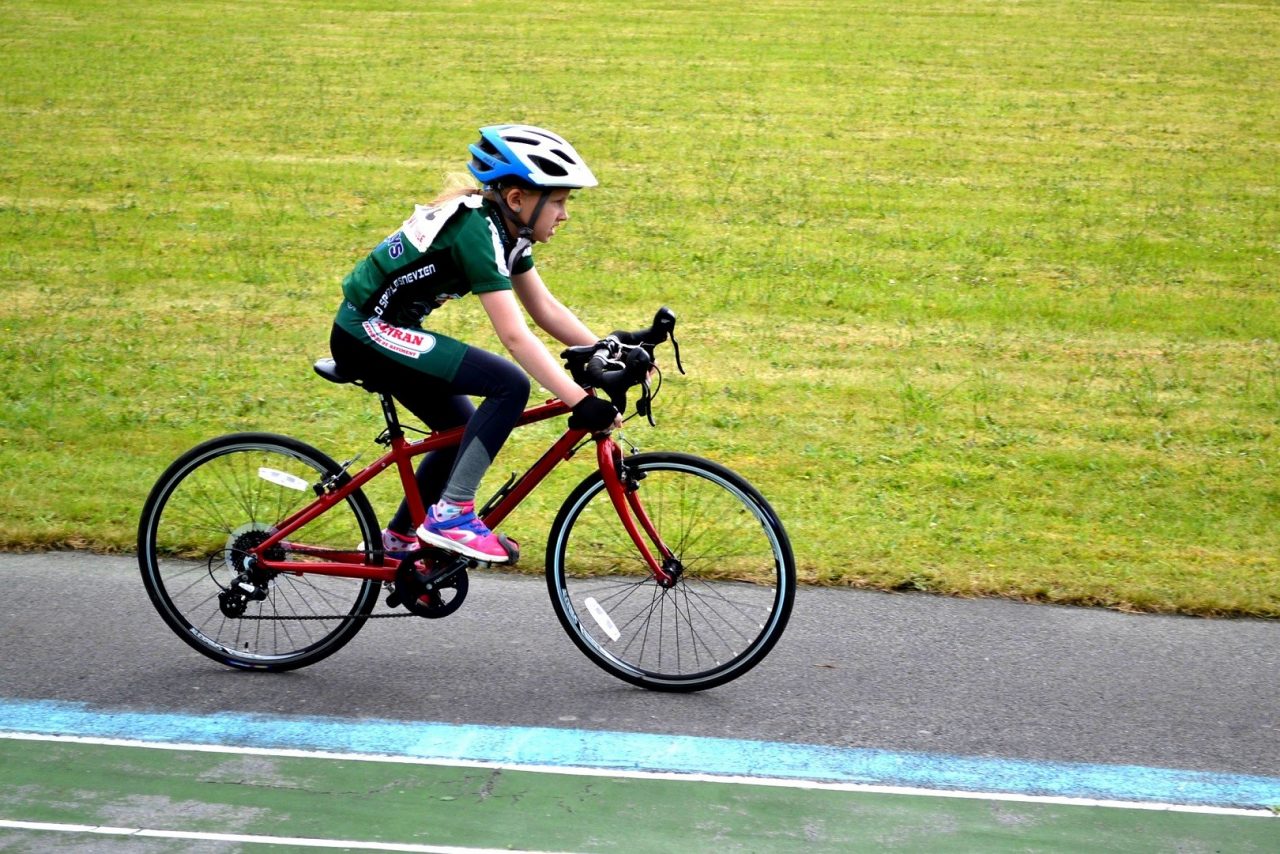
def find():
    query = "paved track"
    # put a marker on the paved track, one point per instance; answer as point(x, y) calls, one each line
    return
point(855, 669)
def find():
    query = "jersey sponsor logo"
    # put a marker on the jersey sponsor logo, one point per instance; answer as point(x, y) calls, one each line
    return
point(413, 276)
point(395, 245)
point(424, 226)
point(389, 292)
point(407, 342)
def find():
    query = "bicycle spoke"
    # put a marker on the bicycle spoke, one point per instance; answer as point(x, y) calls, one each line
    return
point(215, 503)
point(733, 576)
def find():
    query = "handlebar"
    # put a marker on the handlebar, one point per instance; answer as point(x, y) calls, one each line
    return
point(623, 360)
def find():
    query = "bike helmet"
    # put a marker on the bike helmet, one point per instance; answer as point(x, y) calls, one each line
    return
point(529, 155)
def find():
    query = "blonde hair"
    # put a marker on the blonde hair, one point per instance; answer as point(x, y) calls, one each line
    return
point(456, 184)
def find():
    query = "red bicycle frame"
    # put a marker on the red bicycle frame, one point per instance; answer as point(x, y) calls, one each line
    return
point(355, 564)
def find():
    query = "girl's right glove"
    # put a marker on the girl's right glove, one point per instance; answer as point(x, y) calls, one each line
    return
point(592, 413)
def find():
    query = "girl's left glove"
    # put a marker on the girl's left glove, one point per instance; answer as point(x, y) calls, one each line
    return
point(592, 413)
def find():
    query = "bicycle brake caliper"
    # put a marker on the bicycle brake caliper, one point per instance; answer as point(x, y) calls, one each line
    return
point(334, 482)
point(630, 477)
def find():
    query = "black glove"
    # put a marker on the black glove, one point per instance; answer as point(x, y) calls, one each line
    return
point(592, 413)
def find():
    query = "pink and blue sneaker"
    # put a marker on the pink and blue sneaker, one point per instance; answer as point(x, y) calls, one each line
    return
point(456, 527)
point(396, 544)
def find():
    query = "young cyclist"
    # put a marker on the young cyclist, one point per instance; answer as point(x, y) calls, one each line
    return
point(469, 242)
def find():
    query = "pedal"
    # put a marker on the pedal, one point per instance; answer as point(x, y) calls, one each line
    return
point(511, 547)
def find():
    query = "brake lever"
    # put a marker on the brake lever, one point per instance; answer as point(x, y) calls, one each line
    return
point(644, 406)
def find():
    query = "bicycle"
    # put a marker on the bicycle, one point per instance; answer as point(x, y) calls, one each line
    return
point(667, 570)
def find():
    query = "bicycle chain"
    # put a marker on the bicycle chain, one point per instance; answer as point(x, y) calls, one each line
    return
point(281, 619)
point(324, 617)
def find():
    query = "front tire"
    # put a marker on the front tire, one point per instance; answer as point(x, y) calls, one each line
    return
point(733, 595)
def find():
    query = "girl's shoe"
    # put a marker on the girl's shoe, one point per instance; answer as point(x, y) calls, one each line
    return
point(397, 545)
point(456, 528)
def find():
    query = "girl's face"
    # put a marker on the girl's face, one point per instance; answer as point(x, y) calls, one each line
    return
point(549, 218)
point(553, 213)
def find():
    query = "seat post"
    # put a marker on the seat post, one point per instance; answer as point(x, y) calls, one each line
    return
point(394, 431)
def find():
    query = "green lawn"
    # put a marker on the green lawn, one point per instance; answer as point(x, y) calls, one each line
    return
point(982, 295)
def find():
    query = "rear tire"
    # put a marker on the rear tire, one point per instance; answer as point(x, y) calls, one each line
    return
point(224, 496)
point(729, 605)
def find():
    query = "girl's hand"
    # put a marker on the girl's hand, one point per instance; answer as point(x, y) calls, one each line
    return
point(594, 414)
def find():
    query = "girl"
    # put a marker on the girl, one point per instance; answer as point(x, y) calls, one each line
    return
point(469, 242)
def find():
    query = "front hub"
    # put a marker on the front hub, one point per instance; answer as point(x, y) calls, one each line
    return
point(672, 570)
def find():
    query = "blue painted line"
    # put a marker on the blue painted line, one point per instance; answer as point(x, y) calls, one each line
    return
point(620, 751)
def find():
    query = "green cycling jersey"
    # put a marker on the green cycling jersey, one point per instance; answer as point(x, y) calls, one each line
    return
point(442, 252)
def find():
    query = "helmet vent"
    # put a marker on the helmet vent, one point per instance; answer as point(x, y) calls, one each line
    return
point(549, 166)
point(492, 150)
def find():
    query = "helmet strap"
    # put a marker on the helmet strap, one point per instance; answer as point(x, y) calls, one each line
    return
point(524, 229)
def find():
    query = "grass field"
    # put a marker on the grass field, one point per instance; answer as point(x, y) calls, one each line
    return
point(983, 295)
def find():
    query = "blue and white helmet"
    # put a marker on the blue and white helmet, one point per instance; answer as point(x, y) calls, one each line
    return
point(530, 155)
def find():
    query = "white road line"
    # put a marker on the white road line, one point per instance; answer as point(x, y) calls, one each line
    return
point(295, 841)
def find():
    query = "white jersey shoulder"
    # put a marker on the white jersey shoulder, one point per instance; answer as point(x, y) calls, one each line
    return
point(424, 226)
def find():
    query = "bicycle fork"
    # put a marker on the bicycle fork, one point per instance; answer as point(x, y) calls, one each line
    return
point(624, 491)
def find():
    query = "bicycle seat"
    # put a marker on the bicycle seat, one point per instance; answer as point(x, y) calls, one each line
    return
point(328, 369)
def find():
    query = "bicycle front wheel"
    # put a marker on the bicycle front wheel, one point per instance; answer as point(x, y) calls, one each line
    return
point(224, 497)
point(734, 572)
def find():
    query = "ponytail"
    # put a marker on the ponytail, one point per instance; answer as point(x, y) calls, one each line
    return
point(456, 184)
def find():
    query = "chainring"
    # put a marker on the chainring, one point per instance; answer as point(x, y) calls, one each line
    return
point(434, 594)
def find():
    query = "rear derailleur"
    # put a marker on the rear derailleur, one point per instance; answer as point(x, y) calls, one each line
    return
point(233, 600)
point(250, 583)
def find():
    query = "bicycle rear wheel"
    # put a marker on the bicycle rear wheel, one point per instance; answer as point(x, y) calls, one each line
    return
point(735, 582)
point(220, 499)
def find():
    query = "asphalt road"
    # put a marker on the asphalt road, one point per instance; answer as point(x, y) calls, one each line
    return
point(982, 678)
